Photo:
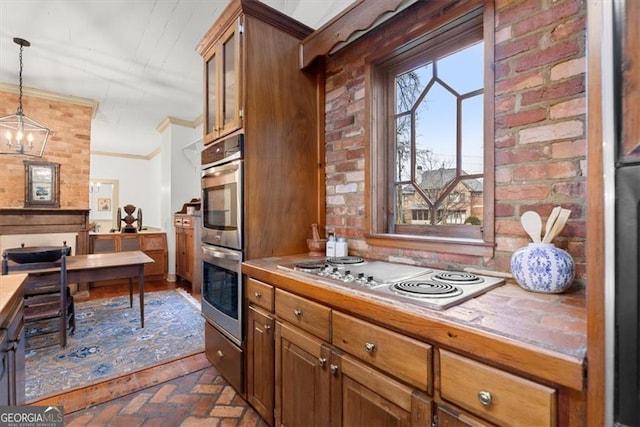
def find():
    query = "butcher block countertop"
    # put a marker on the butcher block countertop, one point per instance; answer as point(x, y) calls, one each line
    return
point(10, 289)
point(544, 335)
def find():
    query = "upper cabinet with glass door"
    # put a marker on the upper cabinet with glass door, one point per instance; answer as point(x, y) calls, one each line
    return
point(222, 77)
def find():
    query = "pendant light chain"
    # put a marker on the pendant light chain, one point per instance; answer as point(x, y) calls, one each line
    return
point(20, 75)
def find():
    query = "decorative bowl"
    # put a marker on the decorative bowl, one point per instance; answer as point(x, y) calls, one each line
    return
point(29, 254)
point(543, 267)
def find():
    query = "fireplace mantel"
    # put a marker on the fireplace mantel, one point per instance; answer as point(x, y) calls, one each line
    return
point(45, 220)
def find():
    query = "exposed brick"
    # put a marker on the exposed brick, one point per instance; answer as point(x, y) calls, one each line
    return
point(502, 35)
point(547, 17)
point(522, 192)
point(543, 171)
point(569, 149)
point(555, 131)
point(510, 12)
point(515, 46)
point(569, 28)
point(553, 53)
point(521, 118)
point(552, 92)
point(520, 82)
point(573, 107)
point(569, 68)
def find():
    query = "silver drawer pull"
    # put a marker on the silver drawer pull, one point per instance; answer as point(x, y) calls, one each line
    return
point(220, 353)
point(333, 368)
point(297, 312)
point(257, 294)
point(322, 360)
point(484, 397)
point(369, 347)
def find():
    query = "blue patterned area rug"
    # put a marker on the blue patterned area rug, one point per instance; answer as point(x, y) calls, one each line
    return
point(109, 342)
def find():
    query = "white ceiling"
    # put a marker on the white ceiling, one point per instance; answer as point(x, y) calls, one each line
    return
point(136, 58)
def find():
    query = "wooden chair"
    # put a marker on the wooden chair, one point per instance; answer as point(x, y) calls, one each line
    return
point(46, 296)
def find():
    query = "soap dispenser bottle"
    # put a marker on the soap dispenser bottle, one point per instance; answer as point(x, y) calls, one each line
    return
point(341, 247)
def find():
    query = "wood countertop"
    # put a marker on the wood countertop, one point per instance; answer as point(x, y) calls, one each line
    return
point(11, 288)
point(544, 335)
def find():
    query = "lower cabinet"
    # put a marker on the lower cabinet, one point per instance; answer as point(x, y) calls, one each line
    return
point(12, 354)
point(224, 355)
point(152, 244)
point(261, 362)
point(323, 367)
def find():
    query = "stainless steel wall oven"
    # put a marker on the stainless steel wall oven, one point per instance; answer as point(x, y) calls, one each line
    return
point(222, 246)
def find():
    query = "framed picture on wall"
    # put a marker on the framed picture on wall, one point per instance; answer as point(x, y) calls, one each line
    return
point(42, 184)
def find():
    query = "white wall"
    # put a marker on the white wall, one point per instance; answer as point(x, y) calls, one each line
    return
point(138, 183)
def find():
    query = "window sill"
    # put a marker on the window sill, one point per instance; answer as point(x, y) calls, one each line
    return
point(473, 247)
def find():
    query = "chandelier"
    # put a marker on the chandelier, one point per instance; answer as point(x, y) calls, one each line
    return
point(19, 134)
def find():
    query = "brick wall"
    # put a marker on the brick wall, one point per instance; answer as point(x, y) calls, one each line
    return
point(68, 145)
point(539, 129)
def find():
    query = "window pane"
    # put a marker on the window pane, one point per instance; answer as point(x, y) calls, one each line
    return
point(473, 135)
point(410, 85)
point(472, 203)
point(411, 207)
point(403, 149)
point(436, 120)
point(462, 70)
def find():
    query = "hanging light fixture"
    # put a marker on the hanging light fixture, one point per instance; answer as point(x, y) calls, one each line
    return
point(19, 134)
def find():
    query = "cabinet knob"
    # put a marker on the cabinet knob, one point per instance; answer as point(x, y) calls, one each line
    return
point(297, 312)
point(322, 360)
point(220, 354)
point(484, 397)
point(370, 347)
point(333, 368)
point(267, 326)
point(257, 294)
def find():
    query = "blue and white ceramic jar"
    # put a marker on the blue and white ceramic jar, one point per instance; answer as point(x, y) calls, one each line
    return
point(543, 267)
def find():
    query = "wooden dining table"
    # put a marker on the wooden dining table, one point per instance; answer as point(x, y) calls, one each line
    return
point(103, 266)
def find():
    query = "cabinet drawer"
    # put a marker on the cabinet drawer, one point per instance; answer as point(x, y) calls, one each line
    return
point(177, 221)
point(498, 396)
point(401, 356)
point(307, 315)
point(260, 294)
point(224, 355)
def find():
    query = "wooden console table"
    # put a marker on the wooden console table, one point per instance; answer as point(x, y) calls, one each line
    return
point(107, 266)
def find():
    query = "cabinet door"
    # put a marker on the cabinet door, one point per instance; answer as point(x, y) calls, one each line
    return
point(261, 362)
point(448, 417)
point(223, 89)
point(363, 396)
point(302, 379)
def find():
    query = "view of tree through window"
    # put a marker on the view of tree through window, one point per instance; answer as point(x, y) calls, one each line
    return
point(438, 165)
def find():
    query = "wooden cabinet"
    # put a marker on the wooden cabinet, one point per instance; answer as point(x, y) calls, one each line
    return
point(12, 353)
point(224, 355)
point(223, 109)
point(152, 244)
point(495, 395)
point(303, 381)
point(261, 348)
point(188, 249)
point(332, 368)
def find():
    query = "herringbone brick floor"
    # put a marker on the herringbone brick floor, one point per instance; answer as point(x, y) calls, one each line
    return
point(202, 398)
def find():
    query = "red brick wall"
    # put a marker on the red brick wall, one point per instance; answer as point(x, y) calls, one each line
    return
point(68, 145)
point(539, 128)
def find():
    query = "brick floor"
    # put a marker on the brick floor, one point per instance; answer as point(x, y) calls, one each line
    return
point(201, 398)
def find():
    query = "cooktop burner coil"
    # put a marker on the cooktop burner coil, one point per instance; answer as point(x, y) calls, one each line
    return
point(426, 289)
point(345, 260)
point(310, 266)
point(458, 277)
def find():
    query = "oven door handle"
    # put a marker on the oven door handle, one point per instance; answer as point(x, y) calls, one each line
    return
point(225, 169)
point(216, 252)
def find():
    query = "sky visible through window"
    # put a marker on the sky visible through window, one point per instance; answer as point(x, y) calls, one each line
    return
point(462, 71)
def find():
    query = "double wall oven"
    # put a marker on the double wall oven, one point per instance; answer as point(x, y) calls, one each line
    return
point(222, 244)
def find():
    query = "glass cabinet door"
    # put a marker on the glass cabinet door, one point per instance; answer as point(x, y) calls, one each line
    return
point(222, 82)
point(211, 105)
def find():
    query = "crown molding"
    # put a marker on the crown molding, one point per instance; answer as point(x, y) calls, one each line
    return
point(52, 96)
point(149, 156)
point(169, 120)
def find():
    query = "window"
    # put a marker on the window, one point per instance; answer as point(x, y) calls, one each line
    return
point(432, 162)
